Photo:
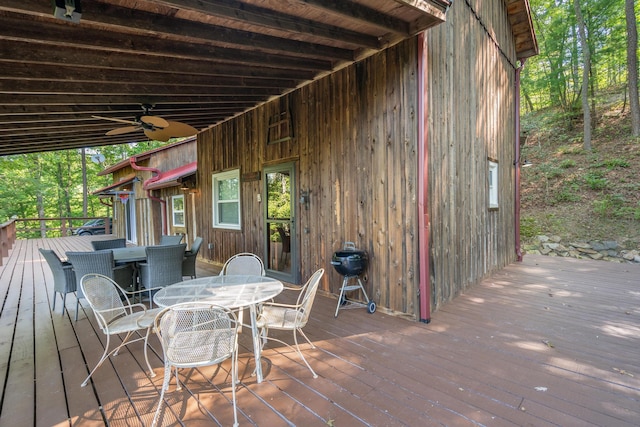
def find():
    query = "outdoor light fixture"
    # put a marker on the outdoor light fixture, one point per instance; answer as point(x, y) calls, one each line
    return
point(187, 186)
point(304, 198)
point(68, 10)
point(523, 163)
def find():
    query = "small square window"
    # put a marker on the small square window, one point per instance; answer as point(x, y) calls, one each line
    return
point(493, 185)
point(226, 200)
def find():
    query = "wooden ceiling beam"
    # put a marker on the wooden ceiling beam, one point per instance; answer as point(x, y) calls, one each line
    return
point(176, 88)
point(26, 71)
point(133, 26)
point(268, 18)
point(64, 36)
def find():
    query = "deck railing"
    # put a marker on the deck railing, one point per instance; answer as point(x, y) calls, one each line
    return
point(30, 228)
point(7, 237)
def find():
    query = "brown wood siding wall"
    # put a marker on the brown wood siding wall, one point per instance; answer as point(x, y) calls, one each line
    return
point(354, 145)
point(470, 90)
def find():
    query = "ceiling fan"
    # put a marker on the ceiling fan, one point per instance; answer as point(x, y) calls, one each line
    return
point(154, 127)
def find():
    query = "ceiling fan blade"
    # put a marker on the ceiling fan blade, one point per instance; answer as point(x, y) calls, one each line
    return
point(156, 121)
point(173, 130)
point(125, 129)
point(115, 120)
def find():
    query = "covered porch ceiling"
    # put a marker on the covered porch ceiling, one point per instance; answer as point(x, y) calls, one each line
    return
point(194, 61)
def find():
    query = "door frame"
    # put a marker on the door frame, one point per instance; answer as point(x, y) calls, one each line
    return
point(293, 274)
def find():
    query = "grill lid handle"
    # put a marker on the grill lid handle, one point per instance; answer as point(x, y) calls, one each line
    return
point(349, 246)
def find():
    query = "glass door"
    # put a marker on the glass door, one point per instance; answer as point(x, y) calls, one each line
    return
point(279, 215)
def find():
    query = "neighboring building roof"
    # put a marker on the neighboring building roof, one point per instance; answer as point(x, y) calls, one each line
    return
point(123, 181)
point(173, 177)
point(143, 156)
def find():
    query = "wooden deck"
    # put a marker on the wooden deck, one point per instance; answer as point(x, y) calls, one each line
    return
point(546, 342)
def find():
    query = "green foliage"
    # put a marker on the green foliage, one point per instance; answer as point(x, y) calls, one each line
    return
point(279, 205)
point(570, 149)
point(550, 171)
point(529, 228)
point(567, 194)
point(568, 163)
point(595, 180)
point(612, 164)
point(553, 78)
point(49, 184)
point(614, 206)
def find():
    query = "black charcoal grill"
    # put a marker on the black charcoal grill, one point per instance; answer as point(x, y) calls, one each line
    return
point(351, 263)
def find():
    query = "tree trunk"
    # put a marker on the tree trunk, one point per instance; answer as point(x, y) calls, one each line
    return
point(632, 66)
point(84, 181)
point(585, 76)
point(39, 195)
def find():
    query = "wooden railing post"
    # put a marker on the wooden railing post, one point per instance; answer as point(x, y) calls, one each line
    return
point(7, 238)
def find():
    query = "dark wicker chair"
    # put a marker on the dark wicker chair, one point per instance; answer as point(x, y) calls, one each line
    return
point(99, 245)
point(285, 237)
point(171, 240)
point(64, 278)
point(99, 262)
point(163, 266)
point(189, 262)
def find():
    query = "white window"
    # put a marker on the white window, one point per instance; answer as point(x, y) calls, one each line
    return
point(493, 185)
point(226, 200)
point(177, 209)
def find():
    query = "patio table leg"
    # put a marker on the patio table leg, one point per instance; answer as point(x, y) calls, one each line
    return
point(257, 347)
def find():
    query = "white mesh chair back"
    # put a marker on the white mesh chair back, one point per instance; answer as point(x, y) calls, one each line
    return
point(306, 298)
point(105, 298)
point(291, 317)
point(116, 316)
point(194, 335)
point(98, 262)
point(243, 263)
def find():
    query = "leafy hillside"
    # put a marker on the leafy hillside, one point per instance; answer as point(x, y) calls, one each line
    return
point(576, 194)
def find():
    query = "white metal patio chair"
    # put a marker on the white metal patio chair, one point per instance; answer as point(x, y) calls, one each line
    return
point(194, 335)
point(116, 315)
point(244, 263)
point(291, 317)
point(100, 262)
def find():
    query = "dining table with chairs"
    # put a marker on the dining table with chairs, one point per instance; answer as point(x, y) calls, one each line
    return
point(231, 291)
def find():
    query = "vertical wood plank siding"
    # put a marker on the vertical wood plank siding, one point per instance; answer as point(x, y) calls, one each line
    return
point(470, 92)
point(355, 147)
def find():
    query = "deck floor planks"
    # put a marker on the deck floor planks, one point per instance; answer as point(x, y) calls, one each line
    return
point(49, 383)
point(477, 363)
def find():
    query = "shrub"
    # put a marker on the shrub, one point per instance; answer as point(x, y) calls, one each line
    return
point(528, 227)
point(567, 194)
point(610, 206)
point(595, 180)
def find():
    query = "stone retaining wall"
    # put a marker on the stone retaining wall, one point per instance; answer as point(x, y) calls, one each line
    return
point(607, 250)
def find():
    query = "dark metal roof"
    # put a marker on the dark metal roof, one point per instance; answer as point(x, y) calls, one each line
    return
point(173, 177)
point(196, 62)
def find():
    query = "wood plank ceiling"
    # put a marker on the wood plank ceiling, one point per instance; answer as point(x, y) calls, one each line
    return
point(195, 61)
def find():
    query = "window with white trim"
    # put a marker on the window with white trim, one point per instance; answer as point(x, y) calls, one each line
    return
point(177, 210)
point(226, 200)
point(493, 185)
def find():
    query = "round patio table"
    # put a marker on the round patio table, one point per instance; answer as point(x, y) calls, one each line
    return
point(232, 291)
